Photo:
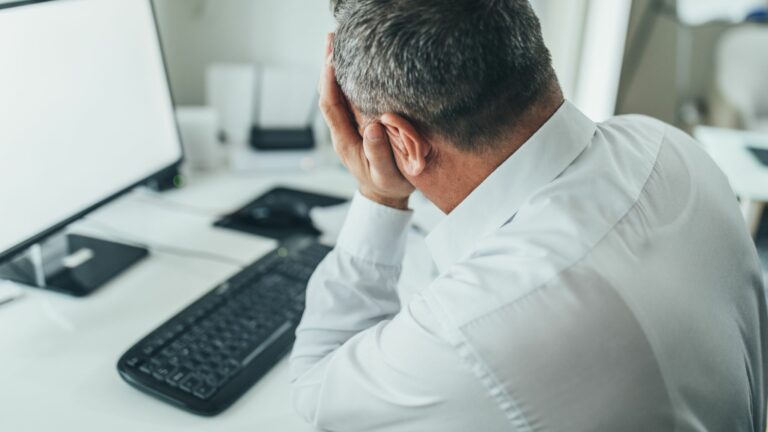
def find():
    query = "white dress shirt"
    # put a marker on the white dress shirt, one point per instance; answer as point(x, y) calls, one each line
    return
point(601, 279)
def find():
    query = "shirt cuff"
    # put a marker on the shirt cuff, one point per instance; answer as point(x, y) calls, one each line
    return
point(374, 232)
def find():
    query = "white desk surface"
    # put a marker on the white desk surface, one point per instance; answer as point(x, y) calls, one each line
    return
point(58, 354)
point(728, 147)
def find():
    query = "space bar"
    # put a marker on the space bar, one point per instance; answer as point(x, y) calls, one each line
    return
point(267, 342)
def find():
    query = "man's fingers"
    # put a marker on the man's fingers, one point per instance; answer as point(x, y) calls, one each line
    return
point(328, 45)
point(371, 159)
point(335, 109)
point(379, 152)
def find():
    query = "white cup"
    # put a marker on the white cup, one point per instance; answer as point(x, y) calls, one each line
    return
point(199, 129)
point(231, 91)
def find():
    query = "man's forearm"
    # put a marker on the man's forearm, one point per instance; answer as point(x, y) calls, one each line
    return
point(363, 363)
point(355, 286)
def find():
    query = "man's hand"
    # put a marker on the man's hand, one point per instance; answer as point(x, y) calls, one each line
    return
point(368, 158)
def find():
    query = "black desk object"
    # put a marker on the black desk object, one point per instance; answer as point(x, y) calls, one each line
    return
point(209, 354)
point(107, 260)
point(282, 139)
point(241, 220)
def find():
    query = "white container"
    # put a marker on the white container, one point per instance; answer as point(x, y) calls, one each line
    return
point(231, 91)
point(199, 129)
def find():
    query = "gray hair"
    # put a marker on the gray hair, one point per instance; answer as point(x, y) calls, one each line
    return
point(462, 69)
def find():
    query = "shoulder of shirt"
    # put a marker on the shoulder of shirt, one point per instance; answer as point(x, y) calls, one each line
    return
point(555, 228)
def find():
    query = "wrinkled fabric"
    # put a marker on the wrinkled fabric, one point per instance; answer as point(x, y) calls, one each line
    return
point(601, 279)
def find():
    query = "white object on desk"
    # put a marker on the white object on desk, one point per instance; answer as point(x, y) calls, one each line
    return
point(286, 97)
point(748, 177)
point(199, 129)
point(329, 220)
point(231, 91)
point(271, 97)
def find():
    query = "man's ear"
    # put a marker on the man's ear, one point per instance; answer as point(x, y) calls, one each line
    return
point(411, 149)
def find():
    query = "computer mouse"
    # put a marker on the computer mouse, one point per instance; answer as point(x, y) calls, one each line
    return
point(279, 214)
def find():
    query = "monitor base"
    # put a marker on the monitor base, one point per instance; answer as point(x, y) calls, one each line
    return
point(71, 264)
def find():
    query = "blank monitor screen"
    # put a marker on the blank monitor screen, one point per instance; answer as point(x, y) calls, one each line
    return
point(85, 110)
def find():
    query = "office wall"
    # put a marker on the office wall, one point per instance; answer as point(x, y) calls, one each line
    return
point(196, 33)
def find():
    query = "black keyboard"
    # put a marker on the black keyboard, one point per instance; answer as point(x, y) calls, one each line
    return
point(209, 354)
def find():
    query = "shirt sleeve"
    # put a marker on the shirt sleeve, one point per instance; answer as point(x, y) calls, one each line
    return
point(360, 362)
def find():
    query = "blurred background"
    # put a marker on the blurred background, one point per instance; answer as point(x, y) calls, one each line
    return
point(241, 66)
point(656, 57)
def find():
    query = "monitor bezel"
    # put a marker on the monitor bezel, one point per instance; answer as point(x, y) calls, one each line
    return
point(165, 172)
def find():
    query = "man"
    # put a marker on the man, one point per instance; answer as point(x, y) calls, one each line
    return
point(593, 277)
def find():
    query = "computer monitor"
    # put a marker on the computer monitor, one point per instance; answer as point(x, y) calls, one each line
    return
point(86, 114)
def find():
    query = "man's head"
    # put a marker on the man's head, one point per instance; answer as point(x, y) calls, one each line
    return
point(445, 90)
point(463, 70)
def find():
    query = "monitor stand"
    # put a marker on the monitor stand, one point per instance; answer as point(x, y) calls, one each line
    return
point(72, 264)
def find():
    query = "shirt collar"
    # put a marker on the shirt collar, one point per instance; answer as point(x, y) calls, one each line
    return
point(492, 204)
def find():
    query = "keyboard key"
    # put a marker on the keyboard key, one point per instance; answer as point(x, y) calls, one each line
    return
point(189, 383)
point(163, 372)
point(228, 369)
point(176, 378)
point(204, 391)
